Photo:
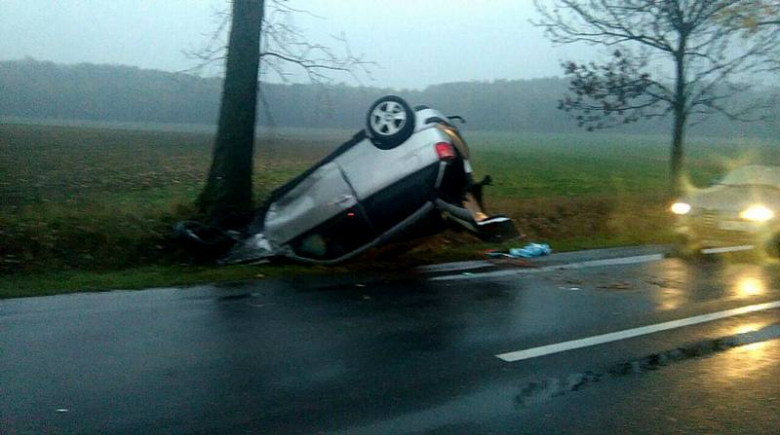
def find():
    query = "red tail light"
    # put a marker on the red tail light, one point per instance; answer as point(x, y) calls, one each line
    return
point(445, 151)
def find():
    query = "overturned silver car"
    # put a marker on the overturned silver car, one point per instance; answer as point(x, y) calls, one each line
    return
point(405, 176)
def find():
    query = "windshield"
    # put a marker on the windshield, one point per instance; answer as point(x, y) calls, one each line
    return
point(753, 175)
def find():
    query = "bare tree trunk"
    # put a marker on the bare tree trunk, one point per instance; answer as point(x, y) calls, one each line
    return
point(680, 118)
point(227, 195)
point(678, 134)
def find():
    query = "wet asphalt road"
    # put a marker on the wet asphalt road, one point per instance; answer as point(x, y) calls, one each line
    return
point(412, 356)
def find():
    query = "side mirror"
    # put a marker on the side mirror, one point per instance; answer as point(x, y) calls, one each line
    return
point(457, 117)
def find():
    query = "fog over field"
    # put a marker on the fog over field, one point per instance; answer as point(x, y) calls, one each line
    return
point(415, 44)
point(48, 91)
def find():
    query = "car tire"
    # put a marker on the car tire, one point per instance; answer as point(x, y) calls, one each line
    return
point(390, 121)
point(687, 248)
point(772, 247)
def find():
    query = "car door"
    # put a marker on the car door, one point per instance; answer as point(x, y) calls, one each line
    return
point(320, 218)
point(392, 184)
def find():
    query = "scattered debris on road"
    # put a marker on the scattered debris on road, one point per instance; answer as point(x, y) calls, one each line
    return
point(666, 283)
point(623, 285)
point(513, 262)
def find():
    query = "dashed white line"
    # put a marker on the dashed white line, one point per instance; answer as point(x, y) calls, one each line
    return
point(581, 265)
point(726, 249)
point(456, 266)
point(630, 333)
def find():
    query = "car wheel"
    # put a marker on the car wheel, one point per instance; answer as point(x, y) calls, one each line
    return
point(687, 248)
point(390, 122)
point(772, 247)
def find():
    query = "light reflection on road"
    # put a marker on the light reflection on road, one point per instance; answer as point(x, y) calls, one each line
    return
point(671, 299)
point(747, 359)
point(748, 286)
point(674, 282)
point(753, 349)
point(748, 327)
point(680, 283)
point(750, 357)
point(747, 281)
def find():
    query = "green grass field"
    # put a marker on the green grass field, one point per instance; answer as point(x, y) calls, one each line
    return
point(91, 208)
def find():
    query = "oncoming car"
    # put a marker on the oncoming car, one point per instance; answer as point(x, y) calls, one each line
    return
point(743, 209)
point(406, 175)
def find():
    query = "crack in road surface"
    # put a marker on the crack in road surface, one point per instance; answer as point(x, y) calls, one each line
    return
point(541, 391)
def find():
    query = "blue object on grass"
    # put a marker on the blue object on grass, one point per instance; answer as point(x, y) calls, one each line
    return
point(530, 250)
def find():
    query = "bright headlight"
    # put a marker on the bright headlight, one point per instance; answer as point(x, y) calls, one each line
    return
point(757, 213)
point(680, 208)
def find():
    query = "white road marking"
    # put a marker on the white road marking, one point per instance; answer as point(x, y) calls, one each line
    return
point(581, 265)
point(459, 266)
point(630, 333)
point(727, 249)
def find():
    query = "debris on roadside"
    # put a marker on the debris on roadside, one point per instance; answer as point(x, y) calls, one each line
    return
point(514, 262)
point(624, 285)
point(667, 283)
point(569, 284)
point(530, 250)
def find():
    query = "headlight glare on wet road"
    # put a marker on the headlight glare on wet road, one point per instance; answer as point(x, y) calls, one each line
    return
point(757, 213)
point(749, 287)
point(680, 208)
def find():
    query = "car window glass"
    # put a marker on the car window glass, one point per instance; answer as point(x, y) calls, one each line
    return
point(753, 175)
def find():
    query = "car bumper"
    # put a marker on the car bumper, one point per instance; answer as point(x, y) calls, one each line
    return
point(724, 232)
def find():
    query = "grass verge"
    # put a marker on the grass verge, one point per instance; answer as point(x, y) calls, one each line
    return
point(92, 209)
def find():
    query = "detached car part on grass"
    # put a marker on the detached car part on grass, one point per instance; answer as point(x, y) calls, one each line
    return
point(407, 175)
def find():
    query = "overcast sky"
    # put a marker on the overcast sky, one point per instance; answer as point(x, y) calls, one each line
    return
point(415, 42)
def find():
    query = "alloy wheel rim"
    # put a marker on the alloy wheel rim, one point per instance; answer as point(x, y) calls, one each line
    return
point(388, 118)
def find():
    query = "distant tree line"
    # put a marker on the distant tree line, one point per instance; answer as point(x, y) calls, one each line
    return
point(45, 90)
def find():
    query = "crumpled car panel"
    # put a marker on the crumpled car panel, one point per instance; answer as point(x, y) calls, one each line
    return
point(302, 208)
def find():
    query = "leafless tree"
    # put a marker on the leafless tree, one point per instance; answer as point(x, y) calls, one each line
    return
point(262, 41)
point(686, 58)
point(754, 14)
